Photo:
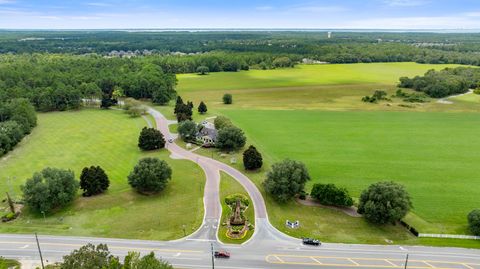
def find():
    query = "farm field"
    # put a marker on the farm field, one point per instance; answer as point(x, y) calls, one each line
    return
point(65, 140)
point(337, 87)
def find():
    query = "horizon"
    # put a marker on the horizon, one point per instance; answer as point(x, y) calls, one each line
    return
point(214, 14)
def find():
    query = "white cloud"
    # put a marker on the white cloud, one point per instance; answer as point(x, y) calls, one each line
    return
point(3, 2)
point(405, 3)
point(472, 14)
point(99, 4)
point(317, 8)
point(264, 8)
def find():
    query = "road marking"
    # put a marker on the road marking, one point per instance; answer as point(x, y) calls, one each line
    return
point(178, 254)
point(201, 240)
point(402, 248)
point(315, 260)
point(390, 262)
point(354, 262)
point(429, 264)
point(26, 246)
point(280, 259)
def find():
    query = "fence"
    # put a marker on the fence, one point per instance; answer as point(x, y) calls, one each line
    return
point(456, 236)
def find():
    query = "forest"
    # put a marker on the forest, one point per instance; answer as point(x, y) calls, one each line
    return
point(445, 82)
point(254, 47)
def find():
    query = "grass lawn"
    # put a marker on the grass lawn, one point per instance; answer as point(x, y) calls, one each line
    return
point(337, 87)
point(229, 186)
point(9, 264)
point(74, 140)
point(433, 154)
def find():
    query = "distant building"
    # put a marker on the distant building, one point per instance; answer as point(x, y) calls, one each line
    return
point(329, 35)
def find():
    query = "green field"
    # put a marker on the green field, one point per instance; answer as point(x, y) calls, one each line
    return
point(327, 87)
point(433, 154)
point(74, 140)
point(229, 186)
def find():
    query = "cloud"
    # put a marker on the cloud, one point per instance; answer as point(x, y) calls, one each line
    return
point(438, 22)
point(472, 14)
point(406, 3)
point(4, 2)
point(98, 4)
point(264, 8)
point(317, 8)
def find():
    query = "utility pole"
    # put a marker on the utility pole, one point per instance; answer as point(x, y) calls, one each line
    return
point(213, 257)
point(39, 250)
point(406, 261)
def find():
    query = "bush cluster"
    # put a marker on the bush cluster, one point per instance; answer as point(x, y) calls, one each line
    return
point(329, 194)
point(286, 179)
point(151, 139)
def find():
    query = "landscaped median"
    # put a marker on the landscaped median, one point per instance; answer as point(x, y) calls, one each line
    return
point(230, 188)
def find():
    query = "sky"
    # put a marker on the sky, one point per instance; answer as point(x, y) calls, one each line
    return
point(305, 14)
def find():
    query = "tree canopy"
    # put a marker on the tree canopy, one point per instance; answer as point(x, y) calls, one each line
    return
point(93, 180)
point(252, 159)
point(49, 189)
point(384, 202)
point(150, 175)
point(286, 179)
point(230, 138)
point(187, 130)
point(151, 139)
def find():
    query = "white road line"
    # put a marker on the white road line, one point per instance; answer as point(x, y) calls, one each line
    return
point(354, 262)
point(26, 246)
point(315, 260)
point(468, 266)
point(390, 262)
point(429, 264)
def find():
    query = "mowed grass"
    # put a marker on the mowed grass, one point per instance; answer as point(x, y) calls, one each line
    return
point(229, 186)
point(327, 87)
point(435, 155)
point(73, 140)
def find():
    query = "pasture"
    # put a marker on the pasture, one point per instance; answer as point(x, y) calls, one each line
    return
point(433, 154)
point(73, 140)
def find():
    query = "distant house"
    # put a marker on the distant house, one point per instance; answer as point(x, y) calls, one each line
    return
point(207, 133)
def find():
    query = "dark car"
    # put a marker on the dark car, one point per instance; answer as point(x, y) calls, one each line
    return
point(311, 241)
point(222, 254)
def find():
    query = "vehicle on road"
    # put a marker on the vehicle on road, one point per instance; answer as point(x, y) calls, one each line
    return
point(311, 242)
point(222, 254)
point(170, 140)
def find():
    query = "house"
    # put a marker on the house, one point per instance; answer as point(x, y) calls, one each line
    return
point(207, 133)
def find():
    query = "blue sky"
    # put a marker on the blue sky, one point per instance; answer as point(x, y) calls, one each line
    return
point(351, 14)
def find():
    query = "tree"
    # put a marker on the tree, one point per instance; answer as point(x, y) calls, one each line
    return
point(148, 261)
point(202, 70)
point(230, 138)
point(187, 130)
point(183, 111)
point(150, 139)
point(221, 122)
point(178, 103)
point(49, 189)
point(202, 108)
point(93, 180)
point(227, 99)
point(384, 202)
point(282, 62)
point(474, 222)
point(286, 179)
point(252, 159)
point(89, 257)
point(329, 194)
point(150, 175)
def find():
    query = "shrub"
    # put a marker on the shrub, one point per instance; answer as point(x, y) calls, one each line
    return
point(202, 108)
point(150, 175)
point(384, 202)
point(474, 221)
point(49, 189)
point(221, 122)
point(232, 199)
point(286, 179)
point(329, 194)
point(230, 138)
point(150, 139)
point(476, 91)
point(187, 130)
point(93, 180)
point(252, 159)
point(227, 99)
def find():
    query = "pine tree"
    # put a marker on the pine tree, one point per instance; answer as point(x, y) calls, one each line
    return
point(202, 108)
point(252, 159)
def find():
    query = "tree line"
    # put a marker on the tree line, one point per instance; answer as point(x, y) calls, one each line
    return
point(17, 119)
point(439, 84)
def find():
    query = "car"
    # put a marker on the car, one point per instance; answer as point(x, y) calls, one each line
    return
point(170, 140)
point(311, 241)
point(222, 254)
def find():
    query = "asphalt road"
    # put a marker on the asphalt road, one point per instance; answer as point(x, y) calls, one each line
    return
point(268, 248)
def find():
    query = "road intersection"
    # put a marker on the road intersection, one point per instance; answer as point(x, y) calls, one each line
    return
point(268, 247)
